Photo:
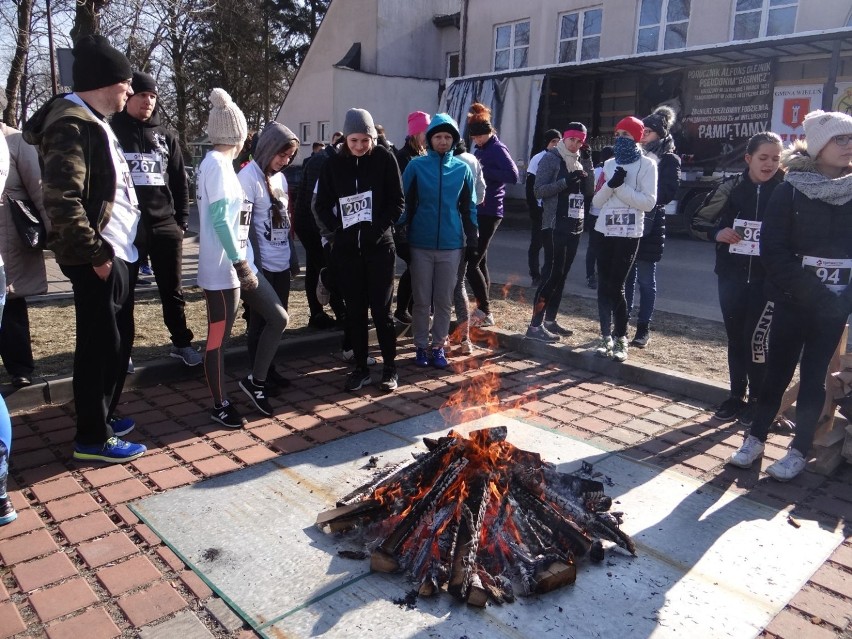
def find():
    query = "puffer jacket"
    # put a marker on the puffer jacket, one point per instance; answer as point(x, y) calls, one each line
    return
point(668, 181)
point(170, 200)
point(554, 185)
point(796, 226)
point(25, 272)
point(736, 198)
point(344, 175)
point(79, 180)
point(638, 192)
point(498, 169)
point(440, 204)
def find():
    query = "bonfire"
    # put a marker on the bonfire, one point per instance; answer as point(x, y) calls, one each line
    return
point(481, 518)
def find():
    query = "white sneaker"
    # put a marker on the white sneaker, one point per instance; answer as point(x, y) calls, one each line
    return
point(751, 449)
point(349, 356)
point(619, 349)
point(478, 318)
point(605, 348)
point(788, 466)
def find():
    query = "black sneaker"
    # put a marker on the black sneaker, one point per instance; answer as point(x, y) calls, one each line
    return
point(228, 416)
point(746, 416)
point(390, 379)
point(553, 326)
point(357, 378)
point(403, 317)
point(7, 511)
point(257, 393)
point(729, 409)
point(322, 321)
point(276, 378)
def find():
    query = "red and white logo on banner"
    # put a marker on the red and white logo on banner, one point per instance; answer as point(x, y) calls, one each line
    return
point(794, 111)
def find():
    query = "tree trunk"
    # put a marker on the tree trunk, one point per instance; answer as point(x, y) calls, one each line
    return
point(19, 62)
point(87, 18)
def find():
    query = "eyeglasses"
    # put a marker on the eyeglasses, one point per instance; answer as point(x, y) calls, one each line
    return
point(842, 140)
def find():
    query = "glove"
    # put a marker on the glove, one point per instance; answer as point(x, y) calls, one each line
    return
point(577, 176)
point(248, 280)
point(617, 178)
point(471, 253)
point(586, 152)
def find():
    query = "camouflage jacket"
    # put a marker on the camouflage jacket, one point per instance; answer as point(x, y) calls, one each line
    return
point(78, 179)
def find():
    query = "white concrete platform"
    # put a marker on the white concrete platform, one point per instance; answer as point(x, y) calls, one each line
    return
point(710, 564)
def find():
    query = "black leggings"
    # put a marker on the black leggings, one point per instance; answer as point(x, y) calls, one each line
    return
point(477, 270)
point(615, 258)
point(559, 251)
point(747, 315)
point(797, 333)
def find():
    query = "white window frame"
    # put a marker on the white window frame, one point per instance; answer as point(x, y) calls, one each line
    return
point(765, 9)
point(324, 131)
point(305, 132)
point(581, 35)
point(512, 46)
point(663, 24)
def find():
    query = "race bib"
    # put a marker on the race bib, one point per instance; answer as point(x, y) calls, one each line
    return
point(146, 169)
point(749, 231)
point(356, 208)
point(575, 206)
point(622, 222)
point(279, 236)
point(836, 274)
point(245, 222)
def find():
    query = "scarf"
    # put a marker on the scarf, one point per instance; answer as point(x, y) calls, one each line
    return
point(816, 186)
point(572, 160)
point(660, 147)
point(626, 151)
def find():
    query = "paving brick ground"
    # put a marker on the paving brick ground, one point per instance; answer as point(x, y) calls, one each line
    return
point(78, 563)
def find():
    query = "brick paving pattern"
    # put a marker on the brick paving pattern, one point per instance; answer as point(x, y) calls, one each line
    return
point(78, 563)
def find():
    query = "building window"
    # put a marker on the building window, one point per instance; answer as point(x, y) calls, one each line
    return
point(662, 25)
point(759, 18)
point(324, 132)
point(453, 65)
point(305, 132)
point(511, 46)
point(580, 35)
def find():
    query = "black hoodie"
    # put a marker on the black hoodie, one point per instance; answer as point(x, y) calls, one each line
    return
point(157, 203)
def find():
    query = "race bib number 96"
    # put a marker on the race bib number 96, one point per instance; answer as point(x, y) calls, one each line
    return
point(835, 274)
point(749, 232)
point(356, 208)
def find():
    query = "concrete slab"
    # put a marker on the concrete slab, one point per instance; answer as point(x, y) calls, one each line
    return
point(710, 564)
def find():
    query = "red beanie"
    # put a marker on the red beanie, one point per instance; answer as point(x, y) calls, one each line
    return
point(418, 122)
point(633, 126)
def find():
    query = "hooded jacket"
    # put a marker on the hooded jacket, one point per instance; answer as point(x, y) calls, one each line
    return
point(157, 203)
point(795, 226)
point(344, 175)
point(440, 197)
point(79, 180)
point(499, 169)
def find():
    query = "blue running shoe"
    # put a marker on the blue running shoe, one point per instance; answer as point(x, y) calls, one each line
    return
point(114, 451)
point(121, 425)
point(439, 358)
point(7, 511)
point(421, 357)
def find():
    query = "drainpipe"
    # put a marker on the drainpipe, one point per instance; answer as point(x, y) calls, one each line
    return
point(831, 81)
point(463, 45)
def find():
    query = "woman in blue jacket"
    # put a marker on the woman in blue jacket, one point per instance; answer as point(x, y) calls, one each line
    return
point(440, 224)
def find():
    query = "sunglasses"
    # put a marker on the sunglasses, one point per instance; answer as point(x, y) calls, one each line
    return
point(842, 140)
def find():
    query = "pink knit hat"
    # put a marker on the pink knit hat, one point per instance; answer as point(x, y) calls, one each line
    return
point(418, 122)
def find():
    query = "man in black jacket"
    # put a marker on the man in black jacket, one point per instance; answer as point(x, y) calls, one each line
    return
point(156, 166)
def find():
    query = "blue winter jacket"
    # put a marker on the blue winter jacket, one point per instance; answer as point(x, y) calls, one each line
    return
point(440, 205)
point(498, 169)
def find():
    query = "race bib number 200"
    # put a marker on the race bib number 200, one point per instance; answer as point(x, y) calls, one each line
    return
point(356, 208)
point(836, 274)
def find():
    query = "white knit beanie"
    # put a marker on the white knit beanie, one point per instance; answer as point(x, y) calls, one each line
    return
point(820, 127)
point(227, 124)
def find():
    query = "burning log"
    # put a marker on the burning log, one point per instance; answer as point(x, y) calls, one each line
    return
point(480, 518)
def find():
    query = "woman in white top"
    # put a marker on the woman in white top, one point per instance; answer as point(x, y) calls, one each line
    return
point(265, 187)
point(226, 263)
point(629, 191)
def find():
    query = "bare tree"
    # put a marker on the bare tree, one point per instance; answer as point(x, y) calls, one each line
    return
point(87, 18)
point(19, 61)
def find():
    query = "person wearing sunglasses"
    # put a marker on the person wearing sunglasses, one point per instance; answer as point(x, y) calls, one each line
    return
point(806, 249)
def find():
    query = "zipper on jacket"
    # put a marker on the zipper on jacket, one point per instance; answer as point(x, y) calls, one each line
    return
point(756, 211)
point(440, 192)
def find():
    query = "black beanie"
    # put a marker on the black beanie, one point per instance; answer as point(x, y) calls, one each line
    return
point(143, 82)
point(660, 121)
point(550, 135)
point(97, 64)
point(445, 127)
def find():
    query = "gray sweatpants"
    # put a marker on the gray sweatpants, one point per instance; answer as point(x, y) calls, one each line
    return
point(433, 279)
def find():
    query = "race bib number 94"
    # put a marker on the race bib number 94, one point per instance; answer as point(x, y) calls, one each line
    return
point(749, 232)
point(356, 208)
point(146, 169)
point(621, 222)
point(834, 273)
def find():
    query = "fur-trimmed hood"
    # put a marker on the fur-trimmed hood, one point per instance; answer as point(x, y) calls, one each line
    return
point(802, 173)
point(796, 158)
